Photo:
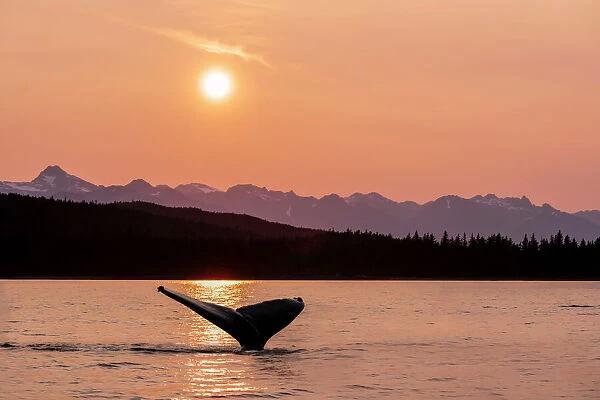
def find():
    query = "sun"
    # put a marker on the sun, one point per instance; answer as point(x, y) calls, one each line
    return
point(216, 84)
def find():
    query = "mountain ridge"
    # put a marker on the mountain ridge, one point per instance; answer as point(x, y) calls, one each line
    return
point(480, 214)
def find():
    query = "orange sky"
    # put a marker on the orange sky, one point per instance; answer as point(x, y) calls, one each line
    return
point(411, 98)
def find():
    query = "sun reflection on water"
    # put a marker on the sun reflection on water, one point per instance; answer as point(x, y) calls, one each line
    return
point(216, 374)
point(219, 375)
point(227, 293)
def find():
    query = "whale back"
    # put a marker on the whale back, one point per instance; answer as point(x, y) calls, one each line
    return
point(269, 317)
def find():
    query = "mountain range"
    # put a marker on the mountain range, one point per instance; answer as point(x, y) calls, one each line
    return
point(484, 215)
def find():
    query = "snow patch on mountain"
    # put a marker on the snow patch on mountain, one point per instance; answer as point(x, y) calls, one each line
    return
point(49, 180)
point(200, 187)
point(23, 186)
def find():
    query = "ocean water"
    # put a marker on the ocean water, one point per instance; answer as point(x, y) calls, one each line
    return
point(399, 340)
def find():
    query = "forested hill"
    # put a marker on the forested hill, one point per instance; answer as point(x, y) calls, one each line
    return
point(53, 238)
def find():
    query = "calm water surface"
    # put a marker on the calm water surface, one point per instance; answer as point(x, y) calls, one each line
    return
point(412, 340)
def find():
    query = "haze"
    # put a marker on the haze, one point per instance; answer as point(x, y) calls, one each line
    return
point(411, 98)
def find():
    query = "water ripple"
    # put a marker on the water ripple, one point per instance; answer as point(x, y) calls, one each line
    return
point(143, 348)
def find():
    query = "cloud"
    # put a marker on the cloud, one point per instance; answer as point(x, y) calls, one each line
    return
point(201, 43)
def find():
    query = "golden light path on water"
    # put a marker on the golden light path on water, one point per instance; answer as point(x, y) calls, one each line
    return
point(217, 374)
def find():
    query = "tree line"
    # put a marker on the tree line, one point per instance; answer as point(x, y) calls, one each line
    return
point(57, 238)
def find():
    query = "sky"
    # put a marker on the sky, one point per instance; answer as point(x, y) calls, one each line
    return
point(414, 99)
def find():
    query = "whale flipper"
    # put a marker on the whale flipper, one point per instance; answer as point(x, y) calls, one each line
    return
point(252, 326)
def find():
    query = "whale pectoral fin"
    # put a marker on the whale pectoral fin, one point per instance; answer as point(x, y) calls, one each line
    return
point(225, 318)
point(269, 317)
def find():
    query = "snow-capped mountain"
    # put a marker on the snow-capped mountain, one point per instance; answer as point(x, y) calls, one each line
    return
point(52, 181)
point(511, 216)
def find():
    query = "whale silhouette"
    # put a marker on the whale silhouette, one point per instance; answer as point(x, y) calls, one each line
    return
point(252, 326)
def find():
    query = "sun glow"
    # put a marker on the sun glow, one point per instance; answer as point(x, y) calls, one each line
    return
point(216, 85)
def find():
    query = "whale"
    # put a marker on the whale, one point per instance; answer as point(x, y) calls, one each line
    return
point(253, 325)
